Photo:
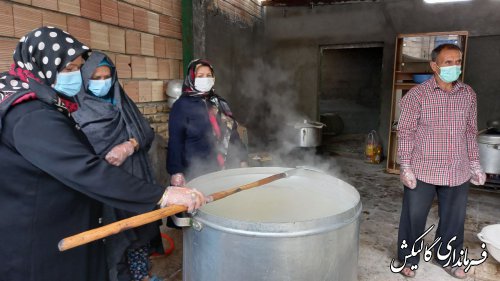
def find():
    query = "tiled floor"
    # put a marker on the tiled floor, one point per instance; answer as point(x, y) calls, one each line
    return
point(381, 195)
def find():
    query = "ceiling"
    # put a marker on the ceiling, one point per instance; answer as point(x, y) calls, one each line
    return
point(288, 3)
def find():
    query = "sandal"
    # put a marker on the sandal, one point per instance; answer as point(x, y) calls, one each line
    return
point(407, 272)
point(453, 272)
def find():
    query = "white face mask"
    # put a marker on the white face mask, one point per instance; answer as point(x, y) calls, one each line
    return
point(204, 84)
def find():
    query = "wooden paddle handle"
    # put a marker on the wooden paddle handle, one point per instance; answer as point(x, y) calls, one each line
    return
point(135, 221)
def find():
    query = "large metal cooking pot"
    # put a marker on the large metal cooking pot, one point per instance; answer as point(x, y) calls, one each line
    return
point(174, 91)
point(305, 227)
point(309, 133)
point(489, 152)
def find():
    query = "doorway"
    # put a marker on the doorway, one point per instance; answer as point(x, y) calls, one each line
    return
point(350, 85)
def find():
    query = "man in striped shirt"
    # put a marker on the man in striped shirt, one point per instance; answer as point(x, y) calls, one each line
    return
point(438, 155)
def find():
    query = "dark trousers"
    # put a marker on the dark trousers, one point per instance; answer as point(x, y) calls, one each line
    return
point(452, 202)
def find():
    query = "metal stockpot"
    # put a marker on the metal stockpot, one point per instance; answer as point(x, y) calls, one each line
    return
point(309, 133)
point(174, 91)
point(489, 152)
point(305, 227)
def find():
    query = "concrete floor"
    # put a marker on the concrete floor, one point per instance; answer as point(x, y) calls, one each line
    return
point(381, 195)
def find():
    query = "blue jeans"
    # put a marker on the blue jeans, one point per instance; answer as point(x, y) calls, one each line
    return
point(452, 203)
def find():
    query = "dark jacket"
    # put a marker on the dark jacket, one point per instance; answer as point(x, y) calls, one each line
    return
point(192, 144)
point(50, 188)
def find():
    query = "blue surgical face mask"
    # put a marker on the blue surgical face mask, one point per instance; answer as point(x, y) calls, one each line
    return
point(449, 74)
point(68, 83)
point(100, 88)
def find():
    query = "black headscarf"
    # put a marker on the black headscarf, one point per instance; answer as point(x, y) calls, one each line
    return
point(38, 57)
point(107, 124)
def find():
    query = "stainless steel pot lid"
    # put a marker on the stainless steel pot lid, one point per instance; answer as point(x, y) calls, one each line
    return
point(488, 138)
point(309, 124)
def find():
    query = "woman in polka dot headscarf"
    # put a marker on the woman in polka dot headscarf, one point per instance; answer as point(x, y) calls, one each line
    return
point(52, 183)
point(45, 56)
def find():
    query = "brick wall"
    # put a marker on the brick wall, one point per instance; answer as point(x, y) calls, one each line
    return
point(142, 37)
point(246, 11)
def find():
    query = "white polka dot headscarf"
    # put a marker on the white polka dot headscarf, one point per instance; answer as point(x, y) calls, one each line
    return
point(39, 55)
point(46, 51)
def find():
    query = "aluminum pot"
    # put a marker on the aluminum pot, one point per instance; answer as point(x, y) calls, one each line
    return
point(309, 133)
point(174, 91)
point(490, 235)
point(489, 152)
point(305, 227)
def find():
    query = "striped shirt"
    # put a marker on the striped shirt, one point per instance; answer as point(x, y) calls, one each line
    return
point(437, 133)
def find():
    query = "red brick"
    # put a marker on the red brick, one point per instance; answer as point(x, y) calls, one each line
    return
point(125, 15)
point(109, 11)
point(54, 19)
point(91, 9)
point(26, 19)
point(69, 6)
point(7, 46)
point(140, 19)
point(170, 27)
point(133, 42)
point(123, 68)
point(80, 28)
point(6, 20)
point(116, 39)
point(160, 47)
point(138, 67)
point(131, 88)
point(46, 4)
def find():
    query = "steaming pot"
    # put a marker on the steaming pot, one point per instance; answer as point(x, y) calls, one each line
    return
point(489, 151)
point(305, 227)
point(309, 133)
